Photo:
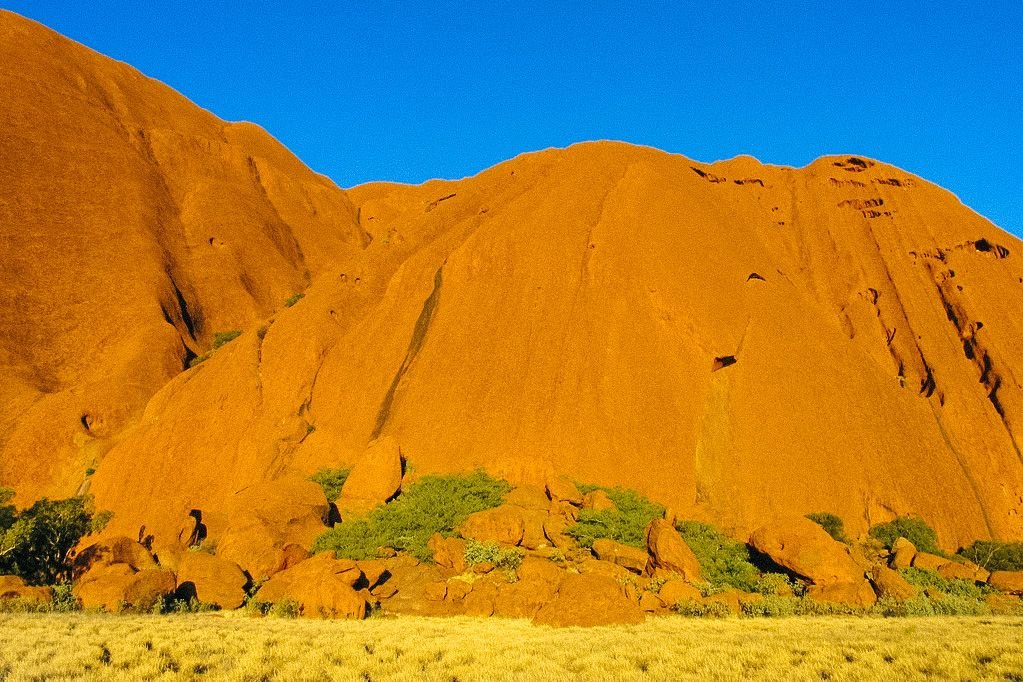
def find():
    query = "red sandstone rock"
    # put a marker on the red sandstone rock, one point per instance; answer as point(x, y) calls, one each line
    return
point(374, 479)
point(211, 580)
point(322, 587)
point(505, 524)
point(806, 549)
point(669, 553)
point(589, 599)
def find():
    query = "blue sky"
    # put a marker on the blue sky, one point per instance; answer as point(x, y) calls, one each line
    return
point(409, 91)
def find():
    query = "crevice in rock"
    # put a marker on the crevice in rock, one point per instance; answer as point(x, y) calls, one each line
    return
point(974, 488)
point(722, 362)
point(433, 204)
point(419, 332)
point(754, 275)
point(709, 177)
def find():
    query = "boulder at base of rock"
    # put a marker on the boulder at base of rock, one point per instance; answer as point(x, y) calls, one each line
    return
point(561, 488)
point(890, 584)
point(589, 599)
point(13, 587)
point(118, 586)
point(625, 556)
point(375, 478)
point(528, 497)
point(448, 552)
point(554, 530)
point(1004, 604)
point(505, 524)
point(266, 517)
point(928, 562)
point(538, 582)
point(859, 595)
point(1007, 581)
point(676, 591)
point(115, 550)
point(806, 549)
point(966, 570)
point(321, 586)
point(669, 553)
point(597, 500)
point(650, 602)
point(903, 552)
point(211, 580)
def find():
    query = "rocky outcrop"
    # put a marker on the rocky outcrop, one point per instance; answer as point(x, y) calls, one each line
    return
point(13, 587)
point(211, 580)
point(322, 587)
point(267, 517)
point(448, 552)
point(903, 553)
point(669, 553)
point(858, 594)
point(803, 547)
point(1007, 581)
point(114, 550)
point(117, 587)
point(889, 584)
point(505, 524)
point(587, 600)
point(625, 556)
point(375, 478)
point(562, 489)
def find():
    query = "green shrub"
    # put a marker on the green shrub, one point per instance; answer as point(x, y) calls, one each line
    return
point(695, 609)
point(913, 528)
point(831, 523)
point(223, 338)
point(434, 504)
point(331, 480)
point(776, 606)
point(953, 587)
point(625, 524)
point(169, 605)
point(724, 562)
point(64, 599)
point(492, 553)
point(778, 584)
point(286, 608)
point(293, 299)
point(994, 555)
point(35, 543)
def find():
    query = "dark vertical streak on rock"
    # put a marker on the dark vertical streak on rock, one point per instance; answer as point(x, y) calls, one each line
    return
point(415, 345)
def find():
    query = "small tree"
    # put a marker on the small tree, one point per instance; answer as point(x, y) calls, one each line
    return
point(37, 543)
point(913, 528)
point(831, 523)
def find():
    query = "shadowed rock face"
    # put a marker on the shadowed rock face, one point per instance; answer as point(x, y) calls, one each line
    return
point(738, 341)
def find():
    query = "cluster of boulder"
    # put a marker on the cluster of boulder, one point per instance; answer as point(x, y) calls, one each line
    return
point(262, 555)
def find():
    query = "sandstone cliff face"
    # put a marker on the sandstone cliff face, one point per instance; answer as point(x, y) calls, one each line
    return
point(134, 226)
point(738, 341)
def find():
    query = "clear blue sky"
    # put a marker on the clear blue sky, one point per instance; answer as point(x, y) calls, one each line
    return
point(408, 91)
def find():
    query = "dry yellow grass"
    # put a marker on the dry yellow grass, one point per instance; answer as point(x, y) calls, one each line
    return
point(236, 647)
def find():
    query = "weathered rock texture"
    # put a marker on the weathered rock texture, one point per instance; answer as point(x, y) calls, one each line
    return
point(736, 340)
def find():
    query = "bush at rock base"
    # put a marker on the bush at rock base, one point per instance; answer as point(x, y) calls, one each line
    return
point(36, 543)
point(492, 553)
point(953, 587)
point(434, 504)
point(831, 523)
point(331, 480)
point(994, 555)
point(913, 528)
point(724, 562)
point(626, 523)
point(695, 609)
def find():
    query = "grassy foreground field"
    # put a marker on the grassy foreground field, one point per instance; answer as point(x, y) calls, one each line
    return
point(236, 647)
